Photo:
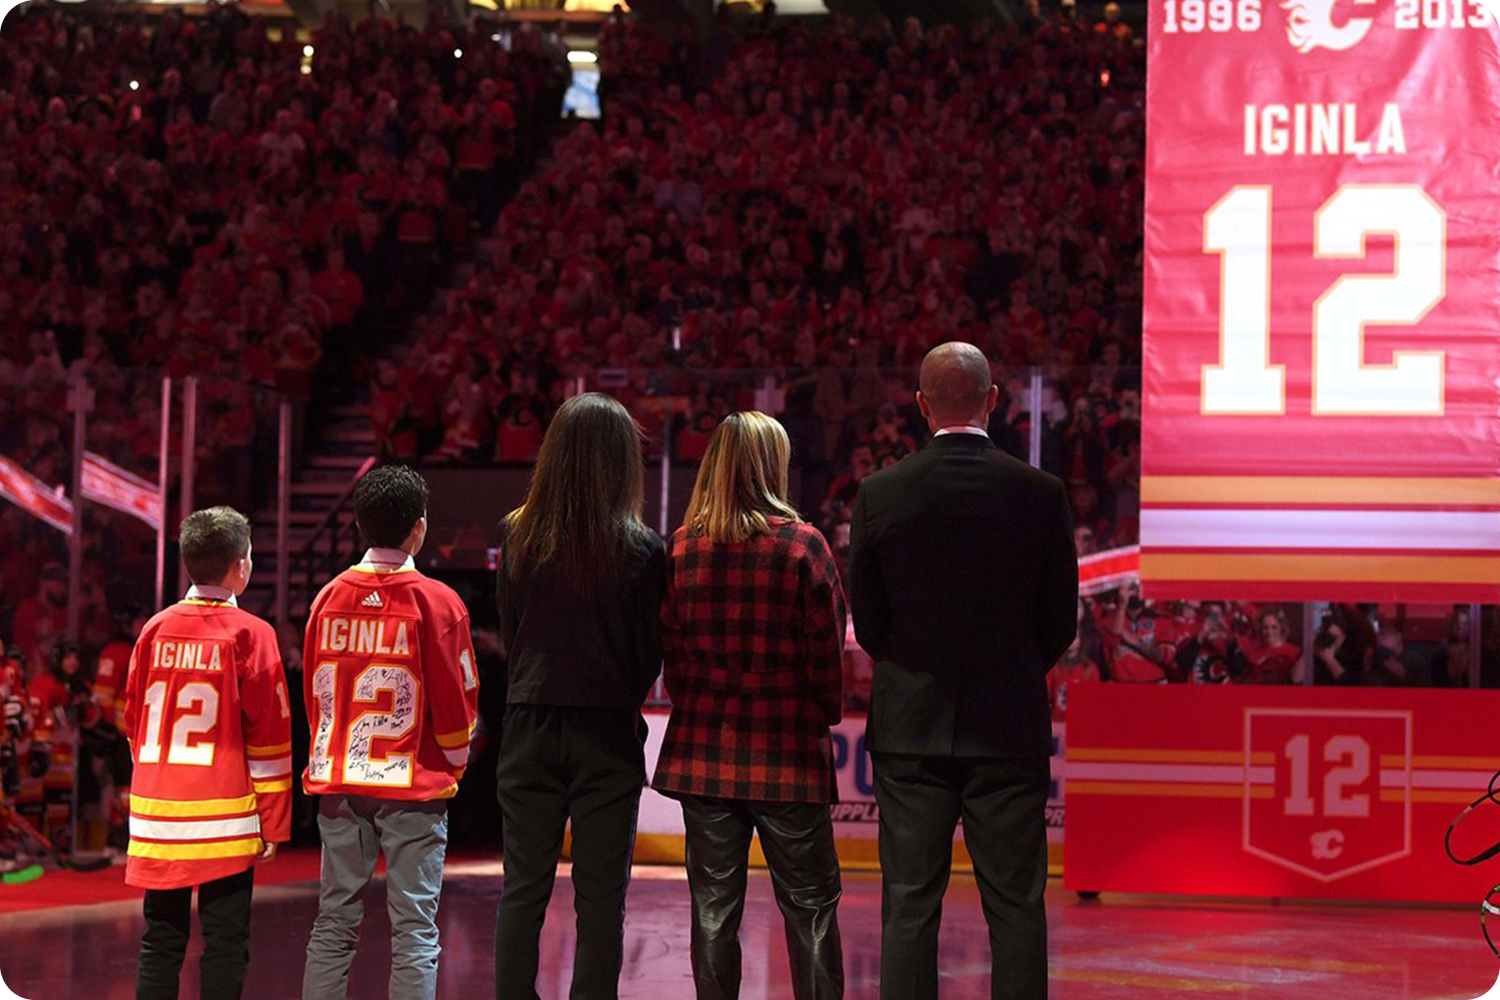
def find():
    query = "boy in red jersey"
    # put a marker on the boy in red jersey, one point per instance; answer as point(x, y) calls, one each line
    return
point(392, 696)
point(209, 725)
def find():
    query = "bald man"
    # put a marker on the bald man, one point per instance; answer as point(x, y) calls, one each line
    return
point(964, 587)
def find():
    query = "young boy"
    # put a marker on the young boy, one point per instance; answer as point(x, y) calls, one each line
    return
point(391, 694)
point(209, 725)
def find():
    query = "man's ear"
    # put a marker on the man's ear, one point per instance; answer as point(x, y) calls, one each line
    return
point(922, 406)
point(419, 531)
point(993, 400)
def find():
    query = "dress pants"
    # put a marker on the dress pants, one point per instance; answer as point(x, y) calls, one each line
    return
point(1003, 806)
point(556, 764)
point(797, 839)
point(223, 912)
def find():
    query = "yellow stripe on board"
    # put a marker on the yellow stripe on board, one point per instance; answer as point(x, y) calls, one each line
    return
point(248, 847)
point(1140, 755)
point(1323, 566)
point(1490, 764)
point(1274, 961)
point(1176, 984)
point(1167, 789)
point(1231, 490)
point(142, 806)
point(855, 853)
point(1446, 796)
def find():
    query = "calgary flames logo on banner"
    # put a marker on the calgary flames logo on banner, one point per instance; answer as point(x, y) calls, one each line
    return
point(1327, 794)
point(1310, 25)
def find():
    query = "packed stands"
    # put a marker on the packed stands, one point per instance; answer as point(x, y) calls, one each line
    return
point(212, 196)
point(817, 206)
point(780, 215)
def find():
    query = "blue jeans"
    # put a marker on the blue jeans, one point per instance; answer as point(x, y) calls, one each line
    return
point(414, 838)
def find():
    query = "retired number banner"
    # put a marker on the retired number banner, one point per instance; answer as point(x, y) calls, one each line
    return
point(1322, 301)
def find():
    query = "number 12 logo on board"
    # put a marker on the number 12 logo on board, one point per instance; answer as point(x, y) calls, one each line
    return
point(1327, 793)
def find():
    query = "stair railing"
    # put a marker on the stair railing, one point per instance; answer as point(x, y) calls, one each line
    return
point(332, 546)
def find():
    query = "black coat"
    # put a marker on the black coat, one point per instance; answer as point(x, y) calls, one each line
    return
point(964, 586)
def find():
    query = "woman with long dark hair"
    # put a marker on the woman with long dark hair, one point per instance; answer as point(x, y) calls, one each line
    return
point(753, 638)
point(579, 592)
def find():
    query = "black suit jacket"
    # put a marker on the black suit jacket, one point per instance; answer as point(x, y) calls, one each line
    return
point(964, 587)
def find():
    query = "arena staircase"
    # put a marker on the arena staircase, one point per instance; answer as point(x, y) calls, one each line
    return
point(321, 538)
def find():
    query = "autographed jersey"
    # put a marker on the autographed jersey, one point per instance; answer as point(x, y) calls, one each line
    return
point(210, 731)
point(391, 686)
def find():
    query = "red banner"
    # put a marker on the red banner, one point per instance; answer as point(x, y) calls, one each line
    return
point(1322, 301)
point(34, 496)
point(110, 485)
point(1276, 791)
point(1103, 571)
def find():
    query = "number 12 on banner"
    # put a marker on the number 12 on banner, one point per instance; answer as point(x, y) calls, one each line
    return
point(1244, 382)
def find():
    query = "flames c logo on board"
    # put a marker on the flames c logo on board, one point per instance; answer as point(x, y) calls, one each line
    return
point(1309, 25)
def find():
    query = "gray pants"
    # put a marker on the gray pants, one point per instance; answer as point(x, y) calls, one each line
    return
point(414, 838)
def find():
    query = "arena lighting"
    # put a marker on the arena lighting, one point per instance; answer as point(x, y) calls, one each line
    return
point(307, 50)
point(135, 85)
point(582, 57)
point(1104, 78)
point(458, 53)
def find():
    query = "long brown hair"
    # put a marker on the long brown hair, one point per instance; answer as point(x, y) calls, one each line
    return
point(742, 481)
point(582, 515)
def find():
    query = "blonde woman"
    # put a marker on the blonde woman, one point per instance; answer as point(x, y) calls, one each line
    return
point(752, 636)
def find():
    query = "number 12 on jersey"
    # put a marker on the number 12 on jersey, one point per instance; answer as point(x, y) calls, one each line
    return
point(197, 707)
point(383, 706)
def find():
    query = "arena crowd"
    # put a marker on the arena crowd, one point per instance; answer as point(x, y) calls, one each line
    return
point(777, 215)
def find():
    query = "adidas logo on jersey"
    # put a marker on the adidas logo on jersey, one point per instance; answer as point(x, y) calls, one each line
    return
point(373, 601)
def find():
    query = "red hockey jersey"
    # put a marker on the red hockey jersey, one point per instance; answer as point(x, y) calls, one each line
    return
point(391, 685)
point(109, 680)
point(210, 730)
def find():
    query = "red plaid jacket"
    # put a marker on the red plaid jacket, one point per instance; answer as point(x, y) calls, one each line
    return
point(752, 650)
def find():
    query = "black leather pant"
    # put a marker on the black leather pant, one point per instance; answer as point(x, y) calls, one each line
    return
point(1003, 807)
point(797, 839)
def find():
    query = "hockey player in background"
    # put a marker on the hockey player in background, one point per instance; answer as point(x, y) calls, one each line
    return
point(108, 744)
point(392, 697)
point(63, 705)
point(209, 724)
point(16, 768)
